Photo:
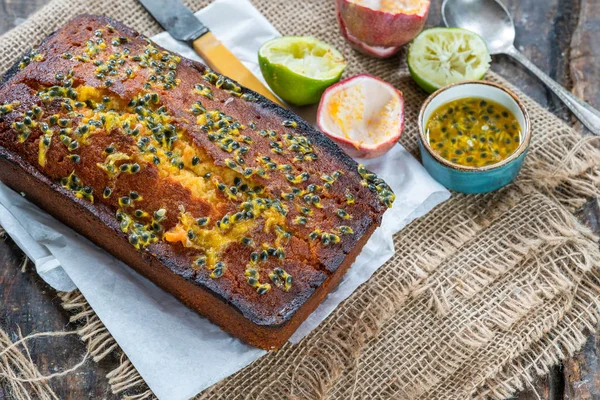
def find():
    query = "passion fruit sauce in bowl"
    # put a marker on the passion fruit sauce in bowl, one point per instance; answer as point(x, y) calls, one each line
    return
point(473, 132)
point(474, 136)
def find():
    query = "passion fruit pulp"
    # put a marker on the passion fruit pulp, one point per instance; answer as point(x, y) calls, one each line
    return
point(364, 115)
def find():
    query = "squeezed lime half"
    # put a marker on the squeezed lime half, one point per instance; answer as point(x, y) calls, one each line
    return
point(300, 68)
point(441, 56)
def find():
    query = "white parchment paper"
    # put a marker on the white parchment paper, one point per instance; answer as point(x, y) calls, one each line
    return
point(176, 351)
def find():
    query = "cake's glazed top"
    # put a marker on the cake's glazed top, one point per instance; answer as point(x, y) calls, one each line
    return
point(230, 191)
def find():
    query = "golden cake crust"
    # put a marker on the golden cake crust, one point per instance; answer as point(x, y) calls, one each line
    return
point(230, 202)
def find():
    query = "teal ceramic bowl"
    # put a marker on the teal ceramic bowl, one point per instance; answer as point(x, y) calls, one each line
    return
point(466, 179)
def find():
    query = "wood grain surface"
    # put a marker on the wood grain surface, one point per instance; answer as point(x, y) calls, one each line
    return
point(560, 36)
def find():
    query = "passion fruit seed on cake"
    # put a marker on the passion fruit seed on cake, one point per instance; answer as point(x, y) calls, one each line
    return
point(244, 198)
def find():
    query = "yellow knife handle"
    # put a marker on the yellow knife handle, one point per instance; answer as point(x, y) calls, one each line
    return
point(221, 60)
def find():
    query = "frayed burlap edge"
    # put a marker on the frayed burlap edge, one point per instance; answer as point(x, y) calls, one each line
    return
point(100, 344)
point(17, 365)
point(558, 343)
point(19, 370)
point(25, 382)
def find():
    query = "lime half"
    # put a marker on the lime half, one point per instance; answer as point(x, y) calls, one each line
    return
point(441, 56)
point(300, 68)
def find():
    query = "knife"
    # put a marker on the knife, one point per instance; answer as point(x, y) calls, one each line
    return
point(183, 25)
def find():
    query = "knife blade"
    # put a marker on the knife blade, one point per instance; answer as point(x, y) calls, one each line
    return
point(183, 25)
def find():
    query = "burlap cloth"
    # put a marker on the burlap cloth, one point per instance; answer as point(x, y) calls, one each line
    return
point(484, 293)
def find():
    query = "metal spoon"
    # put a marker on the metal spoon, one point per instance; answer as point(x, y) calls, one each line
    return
point(492, 21)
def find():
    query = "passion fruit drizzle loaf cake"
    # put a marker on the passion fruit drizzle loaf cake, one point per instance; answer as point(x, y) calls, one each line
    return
point(221, 197)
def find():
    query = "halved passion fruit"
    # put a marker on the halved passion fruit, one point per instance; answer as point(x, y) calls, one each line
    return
point(383, 23)
point(373, 51)
point(363, 115)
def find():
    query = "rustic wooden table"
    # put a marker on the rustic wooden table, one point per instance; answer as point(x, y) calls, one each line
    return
point(557, 35)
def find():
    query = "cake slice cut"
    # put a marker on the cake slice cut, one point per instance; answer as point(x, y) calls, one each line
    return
point(233, 204)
